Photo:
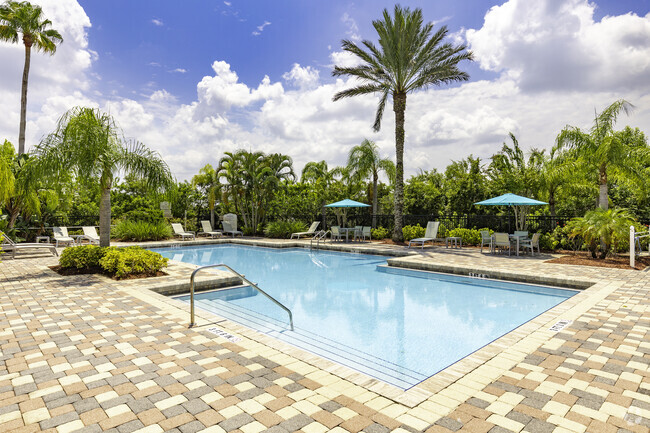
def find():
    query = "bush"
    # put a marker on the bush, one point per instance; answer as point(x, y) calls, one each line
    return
point(442, 230)
point(603, 231)
point(120, 262)
point(412, 232)
point(123, 262)
point(189, 225)
point(283, 229)
point(140, 231)
point(469, 236)
point(379, 233)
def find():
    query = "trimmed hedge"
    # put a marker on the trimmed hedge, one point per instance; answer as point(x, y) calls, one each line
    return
point(380, 233)
point(118, 262)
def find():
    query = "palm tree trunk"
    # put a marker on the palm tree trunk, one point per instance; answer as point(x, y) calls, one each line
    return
point(23, 100)
point(399, 107)
point(603, 200)
point(551, 203)
point(212, 217)
point(374, 200)
point(105, 218)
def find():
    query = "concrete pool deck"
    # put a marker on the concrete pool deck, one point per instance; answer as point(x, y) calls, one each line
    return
point(91, 354)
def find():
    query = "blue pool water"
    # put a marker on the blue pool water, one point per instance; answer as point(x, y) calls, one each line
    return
point(397, 325)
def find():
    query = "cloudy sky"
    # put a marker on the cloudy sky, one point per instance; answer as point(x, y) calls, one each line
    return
point(193, 79)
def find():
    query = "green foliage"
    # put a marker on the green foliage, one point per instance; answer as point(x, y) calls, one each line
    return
point(283, 229)
point(141, 231)
point(423, 193)
point(123, 262)
point(82, 257)
point(379, 233)
point(442, 230)
point(469, 236)
point(413, 232)
point(603, 231)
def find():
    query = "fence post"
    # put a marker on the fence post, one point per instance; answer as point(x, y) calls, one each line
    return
point(632, 247)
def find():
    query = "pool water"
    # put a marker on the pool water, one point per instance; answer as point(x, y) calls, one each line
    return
point(400, 326)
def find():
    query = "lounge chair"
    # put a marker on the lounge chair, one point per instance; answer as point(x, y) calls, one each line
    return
point(180, 231)
point(229, 229)
point(9, 245)
point(90, 233)
point(502, 241)
point(207, 230)
point(430, 235)
point(486, 239)
point(311, 231)
point(61, 235)
point(363, 234)
point(531, 244)
point(336, 233)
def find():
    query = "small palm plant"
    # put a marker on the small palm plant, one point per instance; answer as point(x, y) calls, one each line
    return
point(602, 230)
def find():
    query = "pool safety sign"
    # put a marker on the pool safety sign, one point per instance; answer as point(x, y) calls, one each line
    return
point(560, 325)
point(224, 334)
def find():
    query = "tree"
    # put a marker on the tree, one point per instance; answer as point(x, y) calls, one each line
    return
point(25, 19)
point(364, 161)
point(89, 144)
point(510, 170)
point(604, 149)
point(464, 184)
point(410, 57)
point(208, 181)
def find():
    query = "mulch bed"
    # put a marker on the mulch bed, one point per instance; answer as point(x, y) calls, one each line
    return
point(97, 270)
point(585, 259)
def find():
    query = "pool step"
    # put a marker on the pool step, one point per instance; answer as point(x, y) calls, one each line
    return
point(314, 343)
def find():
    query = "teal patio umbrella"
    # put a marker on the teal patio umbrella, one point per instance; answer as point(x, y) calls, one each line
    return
point(519, 204)
point(345, 204)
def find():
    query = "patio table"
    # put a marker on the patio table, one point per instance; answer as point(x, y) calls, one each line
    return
point(347, 230)
point(518, 238)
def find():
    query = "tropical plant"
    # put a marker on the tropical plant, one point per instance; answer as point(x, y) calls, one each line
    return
point(123, 262)
point(140, 231)
point(208, 181)
point(411, 232)
point(510, 170)
point(605, 150)
point(410, 57)
point(365, 162)
point(284, 229)
point(602, 230)
point(379, 233)
point(22, 18)
point(464, 184)
point(89, 144)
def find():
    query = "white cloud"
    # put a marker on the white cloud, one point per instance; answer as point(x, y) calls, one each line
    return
point(352, 27)
point(303, 78)
point(157, 22)
point(227, 3)
point(260, 29)
point(178, 70)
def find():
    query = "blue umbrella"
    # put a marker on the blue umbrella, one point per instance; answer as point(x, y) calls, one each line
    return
point(346, 204)
point(513, 200)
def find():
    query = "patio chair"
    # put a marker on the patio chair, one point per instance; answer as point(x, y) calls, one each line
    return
point(430, 235)
point(363, 234)
point(9, 245)
point(502, 241)
point(207, 230)
point(521, 234)
point(486, 239)
point(531, 244)
point(311, 231)
point(336, 233)
point(180, 231)
point(229, 229)
point(90, 234)
point(61, 235)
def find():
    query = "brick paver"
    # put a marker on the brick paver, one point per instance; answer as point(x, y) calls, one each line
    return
point(85, 354)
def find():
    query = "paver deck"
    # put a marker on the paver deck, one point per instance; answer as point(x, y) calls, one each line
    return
point(85, 353)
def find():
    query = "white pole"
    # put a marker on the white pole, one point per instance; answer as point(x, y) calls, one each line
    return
point(632, 246)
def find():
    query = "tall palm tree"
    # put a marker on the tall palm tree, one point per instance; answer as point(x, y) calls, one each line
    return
point(511, 171)
point(410, 57)
point(27, 20)
point(208, 180)
point(602, 148)
point(89, 144)
point(364, 161)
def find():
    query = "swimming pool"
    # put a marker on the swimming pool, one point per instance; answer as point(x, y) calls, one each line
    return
point(400, 326)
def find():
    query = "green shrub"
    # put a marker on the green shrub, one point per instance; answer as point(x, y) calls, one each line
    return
point(189, 224)
point(603, 231)
point(123, 262)
point(283, 229)
point(469, 236)
point(412, 232)
point(140, 231)
point(82, 257)
point(148, 215)
point(379, 233)
point(442, 230)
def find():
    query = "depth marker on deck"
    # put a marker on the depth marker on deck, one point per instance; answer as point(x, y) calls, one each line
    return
point(560, 325)
point(224, 334)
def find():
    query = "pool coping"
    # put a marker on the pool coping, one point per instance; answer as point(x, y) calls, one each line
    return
point(494, 351)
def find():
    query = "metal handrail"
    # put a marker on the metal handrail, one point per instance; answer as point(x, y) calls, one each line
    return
point(250, 283)
point(322, 234)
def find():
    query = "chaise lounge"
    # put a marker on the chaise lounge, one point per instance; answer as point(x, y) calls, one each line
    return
point(207, 230)
point(311, 231)
point(180, 232)
point(430, 235)
point(10, 246)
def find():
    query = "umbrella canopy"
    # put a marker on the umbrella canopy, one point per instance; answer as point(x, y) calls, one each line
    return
point(511, 200)
point(347, 203)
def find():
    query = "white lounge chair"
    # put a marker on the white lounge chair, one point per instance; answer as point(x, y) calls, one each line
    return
point(180, 231)
point(207, 230)
point(90, 234)
point(229, 229)
point(10, 246)
point(430, 235)
point(61, 235)
point(311, 231)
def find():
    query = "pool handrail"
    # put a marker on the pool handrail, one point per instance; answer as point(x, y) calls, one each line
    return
point(250, 283)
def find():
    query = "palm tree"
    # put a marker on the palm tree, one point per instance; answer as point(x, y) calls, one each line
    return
point(88, 144)
point(511, 171)
point(208, 180)
point(602, 148)
point(364, 161)
point(25, 19)
point(410, 57)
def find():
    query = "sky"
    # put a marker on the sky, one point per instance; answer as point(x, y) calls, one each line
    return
point(197, 78)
